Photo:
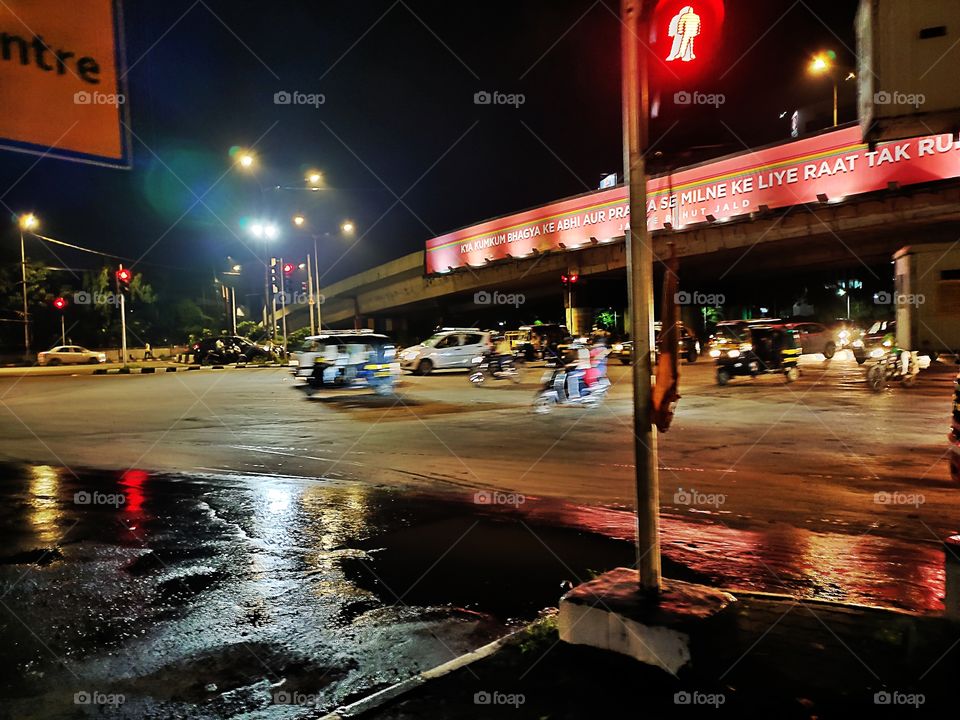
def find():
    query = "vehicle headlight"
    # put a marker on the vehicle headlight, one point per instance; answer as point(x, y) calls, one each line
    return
point(409, 354)
point(876, 352)
point(746, 347)
point(618, 347)
point(477, 360)
point(857, 343)
point(887, 343)
point(714, 353)
point(733, 353)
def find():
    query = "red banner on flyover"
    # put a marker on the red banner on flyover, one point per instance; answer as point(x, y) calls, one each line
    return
point(836, 165)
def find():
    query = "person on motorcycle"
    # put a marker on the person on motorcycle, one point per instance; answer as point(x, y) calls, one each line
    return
point(500, 353)
point(598, 362)
point(577, 370)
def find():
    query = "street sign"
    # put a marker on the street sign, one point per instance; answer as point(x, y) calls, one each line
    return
point(62, 84)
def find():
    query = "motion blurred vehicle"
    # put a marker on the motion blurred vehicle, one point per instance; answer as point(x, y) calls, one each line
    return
point(483, 370)
point(70, 355)
point(347, 359)
point(763, 349)
point(689, 346)
point(231, 349)
point(446, 349)
point(538, 342)
point(894, 365)
point(876, 341)
point(815, 338)
point(553, 391)
point(727, 335)
point(846, 331)
point(954, 435)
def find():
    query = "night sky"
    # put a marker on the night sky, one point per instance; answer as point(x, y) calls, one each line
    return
point(405, 151)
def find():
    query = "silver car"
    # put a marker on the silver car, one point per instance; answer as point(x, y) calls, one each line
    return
point(449, 348)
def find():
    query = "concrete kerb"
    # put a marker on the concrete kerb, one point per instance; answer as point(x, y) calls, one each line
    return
point(388, 694)
point(148, 370)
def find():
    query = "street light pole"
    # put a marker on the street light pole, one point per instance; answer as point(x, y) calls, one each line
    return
point(834, 97)
point(636, 102)
point(316, 275)
point(313, 327)
point(26, 310)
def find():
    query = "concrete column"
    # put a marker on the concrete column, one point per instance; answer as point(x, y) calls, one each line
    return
point(581, 320)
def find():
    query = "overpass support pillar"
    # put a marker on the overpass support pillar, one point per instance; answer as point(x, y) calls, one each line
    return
point(580, 320)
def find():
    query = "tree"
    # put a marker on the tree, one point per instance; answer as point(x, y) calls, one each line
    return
point(252, 330)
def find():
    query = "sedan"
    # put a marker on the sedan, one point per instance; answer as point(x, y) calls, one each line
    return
point(815, 338)
point(70, 355)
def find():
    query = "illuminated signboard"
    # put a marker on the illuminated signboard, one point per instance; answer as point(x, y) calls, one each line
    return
point(61, 80)
point(835, 165)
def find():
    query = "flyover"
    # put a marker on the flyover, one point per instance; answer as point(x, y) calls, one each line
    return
point(824, 201)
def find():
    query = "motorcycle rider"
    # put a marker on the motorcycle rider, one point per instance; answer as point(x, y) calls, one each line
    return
point(598, 362)
point(577, 370)
point(500, 352)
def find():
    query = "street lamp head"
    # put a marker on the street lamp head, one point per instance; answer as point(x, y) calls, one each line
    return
point(315, 177)
point(236, 268)
point(299, 220)
point(29, 221)
point(822, 62)
point(347, 227)
point(270, 231)
point(246, 160)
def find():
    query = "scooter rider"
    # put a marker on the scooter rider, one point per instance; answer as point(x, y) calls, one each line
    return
point(577, 370)
point(500, 354)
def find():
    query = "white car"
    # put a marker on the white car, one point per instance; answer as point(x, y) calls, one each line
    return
point(70, 355)
point(449, 348)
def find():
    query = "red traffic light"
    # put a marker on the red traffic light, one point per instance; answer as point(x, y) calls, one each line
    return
point(288, 268)
point(124, 275)
point(564, 279)
point(59, 303)
point(574, 278)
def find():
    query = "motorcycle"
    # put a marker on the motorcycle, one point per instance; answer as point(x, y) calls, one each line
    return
point(481, 370)
point(892, 366)
point(554, 391)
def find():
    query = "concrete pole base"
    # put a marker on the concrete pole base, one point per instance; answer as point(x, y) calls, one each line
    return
point(610, 613)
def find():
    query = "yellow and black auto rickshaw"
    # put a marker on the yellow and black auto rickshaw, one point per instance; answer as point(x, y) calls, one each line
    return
point(764, 349)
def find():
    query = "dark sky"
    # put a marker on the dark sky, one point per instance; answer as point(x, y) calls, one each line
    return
point(399, 118)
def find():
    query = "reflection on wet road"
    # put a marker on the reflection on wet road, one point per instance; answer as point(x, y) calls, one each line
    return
point(215, 595)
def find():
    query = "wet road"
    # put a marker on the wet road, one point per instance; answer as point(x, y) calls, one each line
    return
point(269, 543)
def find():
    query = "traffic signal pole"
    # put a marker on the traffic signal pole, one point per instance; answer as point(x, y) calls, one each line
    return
point(26, 307)
point(635, 35)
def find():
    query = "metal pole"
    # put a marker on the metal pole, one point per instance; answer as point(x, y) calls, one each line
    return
point(316, 267)
point(233, 303)
point(834, 99)
point(636, 101)
point(26, 310)
point(283, 303)
point(313, 328)
point(123, 326)
point(63, 330)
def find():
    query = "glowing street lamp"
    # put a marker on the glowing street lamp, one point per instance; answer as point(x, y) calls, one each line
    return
point(315, 178)
point(264, 230)
point(246, 160)
point(822, 64)
point(347, 227)
point(28, 221)
point(299, 220)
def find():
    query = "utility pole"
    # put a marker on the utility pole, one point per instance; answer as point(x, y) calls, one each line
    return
point(635, 36)
point(283, 302)
point(316, 275)
point(233, 307)
point(26, 310)
point(313, 328)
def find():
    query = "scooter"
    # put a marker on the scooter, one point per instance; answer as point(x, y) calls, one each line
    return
point(481, 370)
point(894, 366)
point(554, 391)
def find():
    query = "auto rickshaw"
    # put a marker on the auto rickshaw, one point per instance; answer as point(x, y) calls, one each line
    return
point(764, 349)
point(349, 359)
